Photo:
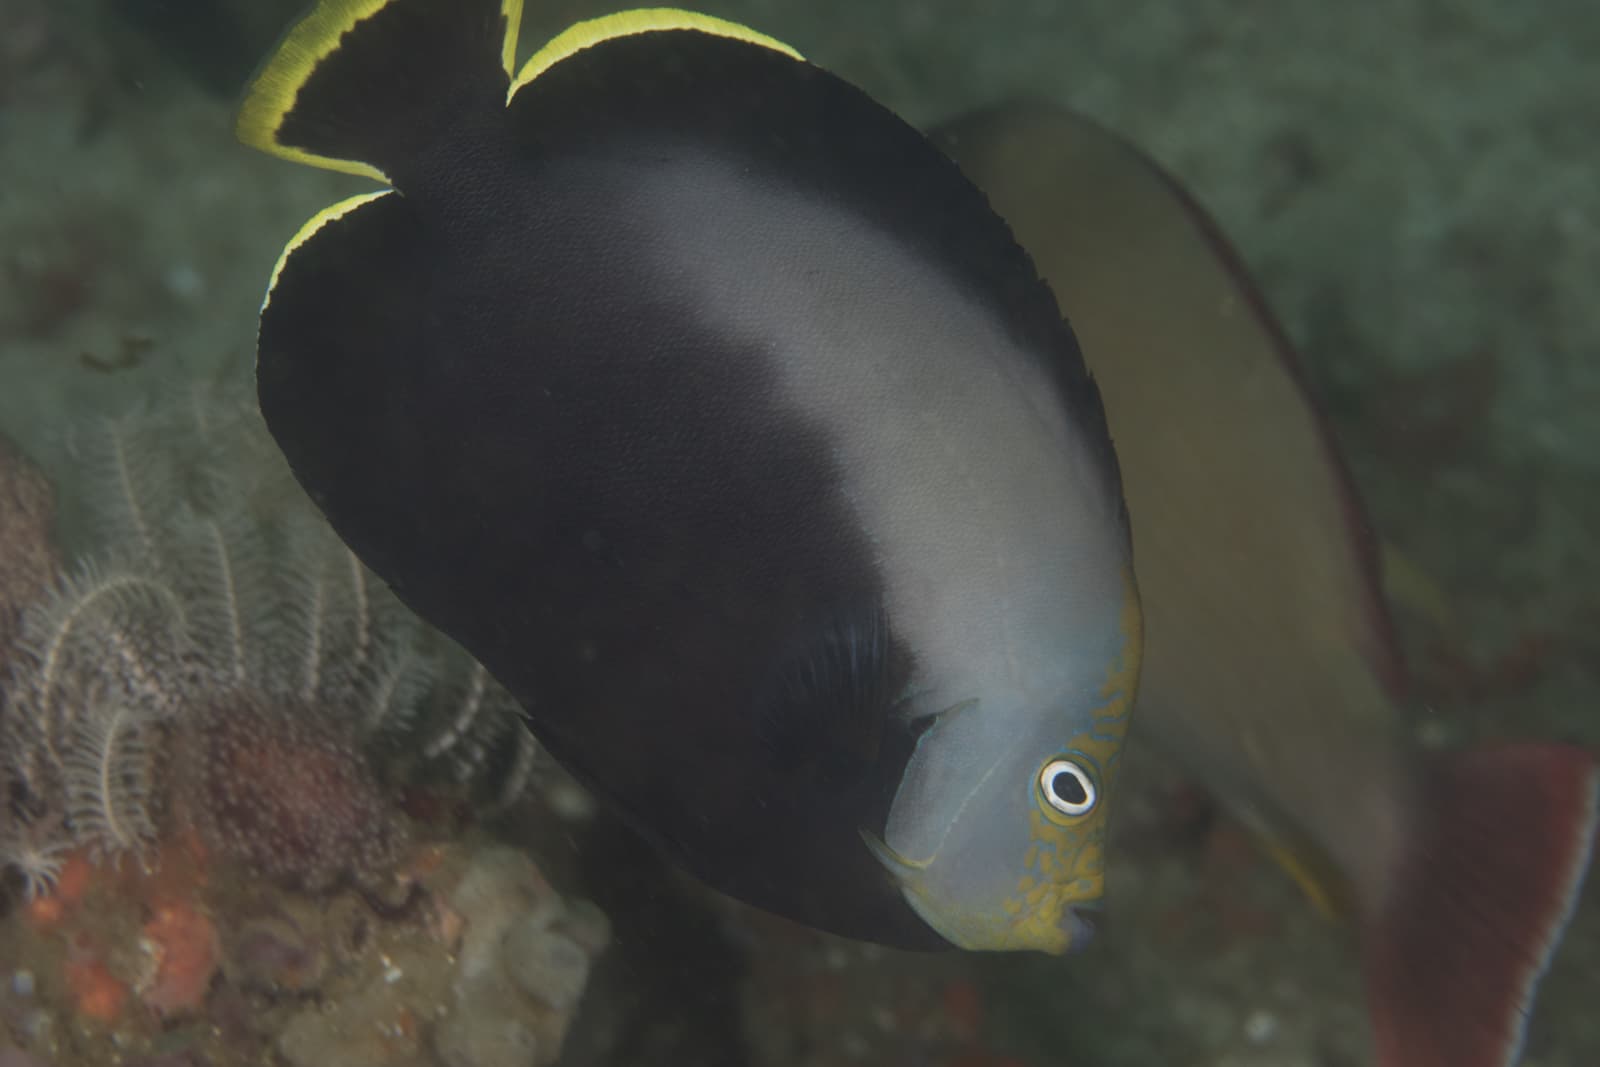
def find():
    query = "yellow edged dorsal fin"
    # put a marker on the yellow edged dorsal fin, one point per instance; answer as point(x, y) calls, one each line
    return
point(331, 213)
point(627, 23)
point(275, 91)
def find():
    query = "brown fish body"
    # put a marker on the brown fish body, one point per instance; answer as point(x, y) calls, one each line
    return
point(1269, 669)
point(1268, 649)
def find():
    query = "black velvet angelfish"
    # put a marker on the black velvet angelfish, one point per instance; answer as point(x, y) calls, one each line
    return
point(712, 408)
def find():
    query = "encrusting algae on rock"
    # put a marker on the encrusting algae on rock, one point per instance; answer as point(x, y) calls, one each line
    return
point(216, 737)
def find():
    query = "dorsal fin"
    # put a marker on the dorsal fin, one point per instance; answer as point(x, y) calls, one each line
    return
point(361, 85)
point(629, 23)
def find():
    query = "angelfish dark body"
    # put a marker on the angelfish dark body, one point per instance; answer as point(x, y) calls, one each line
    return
point(712, 409)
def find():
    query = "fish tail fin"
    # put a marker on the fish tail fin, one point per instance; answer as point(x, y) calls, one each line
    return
point(1453, 957)
point(364, 86)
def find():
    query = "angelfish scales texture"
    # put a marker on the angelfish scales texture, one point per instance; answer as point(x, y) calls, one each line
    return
point(713, 409)
point(1269, 671)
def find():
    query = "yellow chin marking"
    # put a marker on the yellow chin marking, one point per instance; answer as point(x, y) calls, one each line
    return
point(1069, 869)
point(626, 24)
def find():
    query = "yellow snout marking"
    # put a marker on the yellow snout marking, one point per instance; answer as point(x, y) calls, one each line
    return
point(1065, 861)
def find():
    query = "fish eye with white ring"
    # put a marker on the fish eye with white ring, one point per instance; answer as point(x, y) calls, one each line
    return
point(1068, 787)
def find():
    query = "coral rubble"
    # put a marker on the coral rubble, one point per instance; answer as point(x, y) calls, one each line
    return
point(224, 754)
point(224, 630)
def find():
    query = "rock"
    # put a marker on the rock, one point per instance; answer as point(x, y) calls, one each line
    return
point(272, 952)
point(523, 964)
point(11, 1056)
point(547, 966)
point(500, 1040)
point(375, 1026)
point(501, 885)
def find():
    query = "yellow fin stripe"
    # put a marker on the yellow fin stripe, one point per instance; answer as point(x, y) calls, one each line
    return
point(512, 9)
point(1308, 867)
point(1320, 887)
point(306, 232)
point(273, 91)
point(626, 24)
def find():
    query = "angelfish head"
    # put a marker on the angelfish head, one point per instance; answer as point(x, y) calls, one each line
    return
point(997, 834)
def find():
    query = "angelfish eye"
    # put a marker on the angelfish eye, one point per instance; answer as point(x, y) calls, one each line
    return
point(1067, 787)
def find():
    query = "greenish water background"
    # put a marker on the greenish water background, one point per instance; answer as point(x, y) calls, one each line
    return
point(1416, 186)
